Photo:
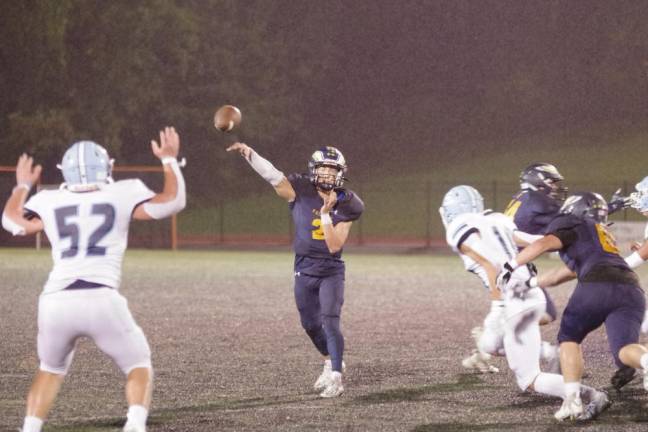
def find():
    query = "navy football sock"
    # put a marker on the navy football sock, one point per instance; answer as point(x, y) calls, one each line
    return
point(334, 341)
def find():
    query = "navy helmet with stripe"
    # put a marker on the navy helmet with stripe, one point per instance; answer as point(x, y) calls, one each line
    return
point(545, 178)
point(328, 157)
point(458, 200)
point(586, 205)
point(85, 166)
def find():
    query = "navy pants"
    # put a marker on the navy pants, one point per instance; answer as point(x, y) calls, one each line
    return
point(619, 306)
point(319, 301)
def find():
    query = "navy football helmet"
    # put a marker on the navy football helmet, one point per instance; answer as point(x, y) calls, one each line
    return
point(586, 205)
point(545, 178)
point(327, 157)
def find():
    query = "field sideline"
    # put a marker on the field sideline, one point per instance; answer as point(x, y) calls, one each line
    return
point(230, 355)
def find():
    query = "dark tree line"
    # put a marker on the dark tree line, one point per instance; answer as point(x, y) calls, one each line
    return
point(117, 71)
point(391, 83)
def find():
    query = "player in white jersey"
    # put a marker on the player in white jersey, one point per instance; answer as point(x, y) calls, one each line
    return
point(86, 221)
point(489, 239)
point(639, 201)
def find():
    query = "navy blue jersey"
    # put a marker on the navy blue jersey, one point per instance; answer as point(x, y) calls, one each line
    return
point(532, 211)
point(590, 250)
point(312, 256)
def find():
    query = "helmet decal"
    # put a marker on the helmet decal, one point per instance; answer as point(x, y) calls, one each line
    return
point(586, 205)
point(327, 157)
point(545, 178)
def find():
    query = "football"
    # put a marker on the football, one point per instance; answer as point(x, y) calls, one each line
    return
point(227, 118)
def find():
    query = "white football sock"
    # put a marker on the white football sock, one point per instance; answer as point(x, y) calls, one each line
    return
point(137, 415)
point(644, 361)
point(550, 384)
point(572, 389)
point(32, 424)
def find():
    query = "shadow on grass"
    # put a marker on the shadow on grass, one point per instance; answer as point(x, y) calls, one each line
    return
point(164, 415)
point(459, 427)
point(465, 382)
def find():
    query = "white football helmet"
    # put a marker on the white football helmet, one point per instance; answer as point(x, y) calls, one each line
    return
point(459, 200)
point(86, 166)
point(639, 199)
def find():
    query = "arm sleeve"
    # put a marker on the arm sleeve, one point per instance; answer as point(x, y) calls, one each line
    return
point(169, 208)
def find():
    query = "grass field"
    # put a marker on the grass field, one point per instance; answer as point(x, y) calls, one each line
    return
point(230, 355)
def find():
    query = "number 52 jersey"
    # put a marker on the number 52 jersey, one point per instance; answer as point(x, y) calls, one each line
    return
point(88, 231)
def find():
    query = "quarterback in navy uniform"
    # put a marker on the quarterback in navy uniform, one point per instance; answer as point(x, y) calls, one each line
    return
point(607, 292)
point(323, 212)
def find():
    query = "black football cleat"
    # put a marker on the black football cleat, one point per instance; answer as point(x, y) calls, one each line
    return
point(622, 376)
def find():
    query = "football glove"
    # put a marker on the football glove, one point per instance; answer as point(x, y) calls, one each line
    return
point(504, 276)
point(618, 202)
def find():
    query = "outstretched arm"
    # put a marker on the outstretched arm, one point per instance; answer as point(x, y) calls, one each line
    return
point(173, 197)
point(13, 216)
point(534, 250)
point(555, 277)
point(266, 170)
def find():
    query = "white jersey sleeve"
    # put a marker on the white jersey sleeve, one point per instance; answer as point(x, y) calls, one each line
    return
point(458, 231)
point(36, 202)
point(88, 231)
point(646, 232)
point(134, 192)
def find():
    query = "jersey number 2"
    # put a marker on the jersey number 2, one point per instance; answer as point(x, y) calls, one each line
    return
point(70, 229)
point(318, 232)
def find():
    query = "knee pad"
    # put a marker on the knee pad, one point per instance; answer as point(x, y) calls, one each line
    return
point(524, 379)
point(331, 323)
point(491, 342)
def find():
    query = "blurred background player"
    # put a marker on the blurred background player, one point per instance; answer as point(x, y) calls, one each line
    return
point(490, 239)
point(535, 205)
point(607, 291)
point(86, 221)
point(323, 212)
point(638, 201)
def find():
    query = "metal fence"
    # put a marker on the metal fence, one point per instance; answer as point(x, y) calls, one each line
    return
point(402, 212)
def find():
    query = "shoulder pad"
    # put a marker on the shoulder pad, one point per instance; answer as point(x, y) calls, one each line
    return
point(563, 221)
point(349, 205)
point(458, 230)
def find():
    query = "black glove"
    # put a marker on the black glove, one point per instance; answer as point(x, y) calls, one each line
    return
point(504, 276)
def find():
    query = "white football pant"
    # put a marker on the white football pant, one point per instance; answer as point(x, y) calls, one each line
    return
point(100, 314)
point(522, 339)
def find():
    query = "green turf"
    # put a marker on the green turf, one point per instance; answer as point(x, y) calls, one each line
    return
point(230, 354)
